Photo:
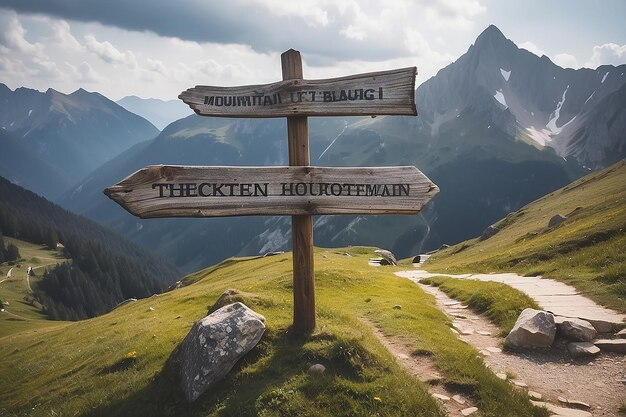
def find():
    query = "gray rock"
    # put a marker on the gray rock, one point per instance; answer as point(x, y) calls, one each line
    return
point(556, 220)
point(621, 334)
point(390, 257)
point(533, 328)
point(417, 259)
point(397, 307)
point(577, 330)
point(489, 232)
point(214, 344)
point(582, 349)
point(318, 369)
point(615, 345)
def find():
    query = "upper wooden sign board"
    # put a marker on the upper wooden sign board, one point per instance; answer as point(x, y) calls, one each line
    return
point(375, 93)
point(190, 191)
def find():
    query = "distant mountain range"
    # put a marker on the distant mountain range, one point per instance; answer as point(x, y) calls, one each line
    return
point(497, 129)
point(159, 112)
point(60, 138)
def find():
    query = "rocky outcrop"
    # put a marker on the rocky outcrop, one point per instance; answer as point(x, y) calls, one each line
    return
point(612, 345)
point(489, 232)
point(533, 328)
point(556, 220)
point(215, 344)
point(574, 329)
point(388, 256)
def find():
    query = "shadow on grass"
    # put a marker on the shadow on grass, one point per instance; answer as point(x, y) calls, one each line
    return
point(277, 358)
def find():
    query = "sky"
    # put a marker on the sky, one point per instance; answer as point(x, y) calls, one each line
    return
point(158, 48)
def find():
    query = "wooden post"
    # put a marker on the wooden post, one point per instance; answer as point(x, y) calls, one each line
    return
point(301, 226)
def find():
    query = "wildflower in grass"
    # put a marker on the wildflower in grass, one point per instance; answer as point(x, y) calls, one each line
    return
point(131, 354)
point(378, 399)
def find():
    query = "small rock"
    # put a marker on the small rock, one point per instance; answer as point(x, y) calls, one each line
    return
point(533, 328)
point(151, 309)
point(485, 352)
point(402, 356)
point(502, 376)
point(458, 399)
point(347, 254)
point(483, 333)
point(535, 395)
point(441, 397)
point(397, 307)
point(621, 334)
point(469, 411)
point(607, 345)
point(578, 404)
point(562, 412)
point(417, 259)
point(575, 329)
point(317, 370)
point(494, 349)
point(467, 332)
point(390, 257)
point(451, 303)
point(582, 349)
point(556, 220)
point(489, 232)
point(520, 384)
point(562, 400)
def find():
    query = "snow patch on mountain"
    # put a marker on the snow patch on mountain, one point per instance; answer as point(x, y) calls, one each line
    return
point(556, 114)
point(505, 74)
point(589, 98)
point(604, 78)
point(500, 97)
point(542, 137)
point(274, 240)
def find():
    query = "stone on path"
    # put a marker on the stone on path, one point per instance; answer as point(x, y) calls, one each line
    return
point(533, 328)
point(608, 345)
point(575, 329)
point(388, 256)
point(582, 349)
point(535, 395)
point(494, 349)
point(214, 344)
point(469, 411)
point(483, 333)
point(520, 384)
point(441, 397)
point(621, 334)
point(502, 376)
point(459, 399)
point(561, 411)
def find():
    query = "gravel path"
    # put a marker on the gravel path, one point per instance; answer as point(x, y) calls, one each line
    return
point(553, 374)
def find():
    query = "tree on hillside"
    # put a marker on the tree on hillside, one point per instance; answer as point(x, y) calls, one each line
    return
point(13, 253)
point(51, 238)
point(2, 248)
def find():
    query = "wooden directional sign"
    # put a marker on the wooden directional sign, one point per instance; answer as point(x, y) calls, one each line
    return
point(375, 93)
point(188, 191)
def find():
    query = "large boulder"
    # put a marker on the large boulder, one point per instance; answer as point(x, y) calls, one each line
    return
point(388, 256)
point(556, 220)
point(489, 232)
point(577, 330)
point(215, 344)
point(533, 328)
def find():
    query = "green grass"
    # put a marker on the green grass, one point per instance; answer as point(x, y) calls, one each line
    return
point(117, 364)
point(586, 251)
point(501, 303)
point(23, 312)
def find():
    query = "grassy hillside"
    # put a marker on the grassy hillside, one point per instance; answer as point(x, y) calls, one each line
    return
point(116, 364)
point(587, 250)
point(22, 311)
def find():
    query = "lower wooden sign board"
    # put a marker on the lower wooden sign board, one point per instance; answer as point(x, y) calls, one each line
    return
point(196, 191)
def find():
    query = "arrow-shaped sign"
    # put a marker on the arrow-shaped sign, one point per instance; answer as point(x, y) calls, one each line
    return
point(375, 93)
point(189, 191)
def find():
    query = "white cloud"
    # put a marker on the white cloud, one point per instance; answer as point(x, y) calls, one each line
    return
point(13, 36)
point(312, 11)
point(62, 35)
point(531, 47)
point(566, 60)
point(608, 53)
point(109, 53)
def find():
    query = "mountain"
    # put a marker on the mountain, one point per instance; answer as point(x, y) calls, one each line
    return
point(581, 114)
point(584, 247)
point(159, 112)
point(73, 133)
point(464, 139)
point(104, 270)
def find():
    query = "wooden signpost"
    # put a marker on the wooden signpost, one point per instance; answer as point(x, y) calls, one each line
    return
point(299, 190)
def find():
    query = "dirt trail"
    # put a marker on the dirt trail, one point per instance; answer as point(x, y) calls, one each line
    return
point(424, 369)
point(598, 382)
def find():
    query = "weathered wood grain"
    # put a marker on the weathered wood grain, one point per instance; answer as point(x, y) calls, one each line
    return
point(140, 193)
point(375, 93)
point(301, 226)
